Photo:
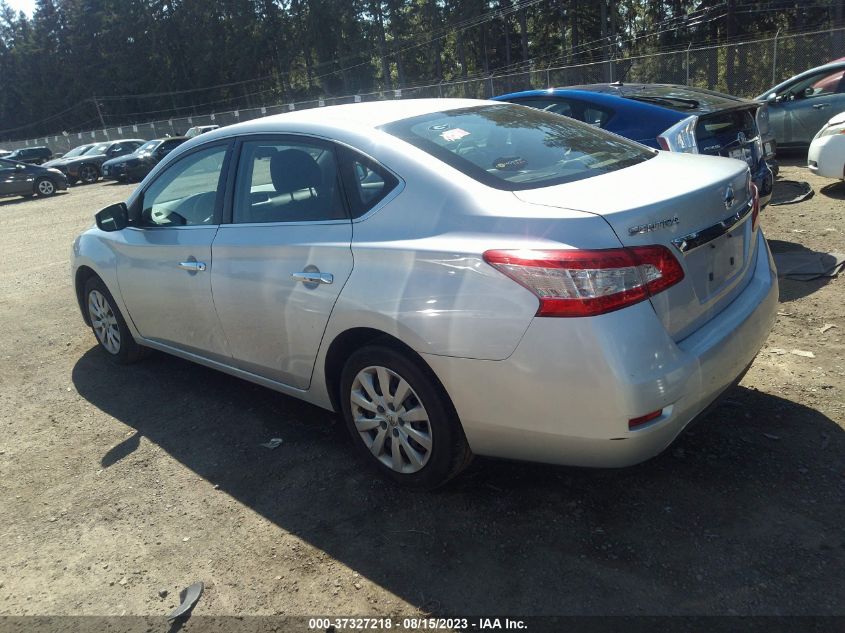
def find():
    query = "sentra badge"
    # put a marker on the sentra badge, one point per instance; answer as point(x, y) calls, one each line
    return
point(653, 226)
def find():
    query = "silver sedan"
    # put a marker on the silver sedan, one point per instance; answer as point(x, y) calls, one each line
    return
point(456, 277)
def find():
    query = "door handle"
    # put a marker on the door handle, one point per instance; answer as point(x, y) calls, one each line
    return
point(313, 278)
point(192, 266)
point(819, 106)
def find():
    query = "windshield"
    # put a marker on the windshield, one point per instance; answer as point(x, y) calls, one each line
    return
point(8, 163)
point(514, 147)
point(147, 147)
point(78, 151)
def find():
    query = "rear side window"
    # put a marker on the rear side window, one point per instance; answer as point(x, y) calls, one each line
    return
point(366, 182)
point(586, 112)
point(511, 147)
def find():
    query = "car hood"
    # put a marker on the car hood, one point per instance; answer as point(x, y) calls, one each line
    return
point(123, 159)
point(78, 160)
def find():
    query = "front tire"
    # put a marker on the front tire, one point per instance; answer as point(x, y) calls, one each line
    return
point(44, 188)
point(401, 418)
point(108, 324)
point(89, 174)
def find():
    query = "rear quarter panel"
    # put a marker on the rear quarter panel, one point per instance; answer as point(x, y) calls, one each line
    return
point(418, 269)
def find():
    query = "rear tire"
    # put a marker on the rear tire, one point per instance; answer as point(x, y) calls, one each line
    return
point(401, 419)
point(108, 325)
point(89, 174)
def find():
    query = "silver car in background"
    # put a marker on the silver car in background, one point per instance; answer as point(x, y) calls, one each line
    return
point(455, 277)
point(800, 106)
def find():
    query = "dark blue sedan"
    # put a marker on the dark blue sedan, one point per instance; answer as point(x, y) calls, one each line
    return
point(673, 118)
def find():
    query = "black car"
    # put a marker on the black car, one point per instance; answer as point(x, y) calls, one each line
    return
point(85, 167)
point(32, 155)
point(59, 161)
point(24, 179)
point(137, 165)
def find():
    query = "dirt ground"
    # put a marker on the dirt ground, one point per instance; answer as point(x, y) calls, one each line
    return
point(117, 484)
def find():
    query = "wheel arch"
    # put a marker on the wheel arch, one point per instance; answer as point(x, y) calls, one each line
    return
point(83, 274)
point(351, 340)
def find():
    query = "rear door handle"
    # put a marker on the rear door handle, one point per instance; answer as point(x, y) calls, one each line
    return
point(819, 106)
point(192, 266)
point(313, 278)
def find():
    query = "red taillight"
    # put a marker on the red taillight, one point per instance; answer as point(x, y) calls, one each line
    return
point(755, 209)
point(635, 422)
point(664, 144)
point(572, 283)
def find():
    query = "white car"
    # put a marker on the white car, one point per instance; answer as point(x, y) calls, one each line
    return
point(827, 150)
point(454, 277)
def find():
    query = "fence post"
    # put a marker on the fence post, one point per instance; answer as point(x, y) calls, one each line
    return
point(688, 47)
point(775, 58)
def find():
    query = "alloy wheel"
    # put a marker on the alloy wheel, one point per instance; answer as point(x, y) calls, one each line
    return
point(46, 188)
point(88, 174)
point(104, 321)
point(391, 419)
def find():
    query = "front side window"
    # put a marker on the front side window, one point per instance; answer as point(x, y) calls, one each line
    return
point(185, 194)
point(287, 181)
point(511, 147)
point(817, 85)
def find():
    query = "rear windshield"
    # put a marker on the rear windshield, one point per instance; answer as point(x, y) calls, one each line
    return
point(726, 126)
point(513, 147)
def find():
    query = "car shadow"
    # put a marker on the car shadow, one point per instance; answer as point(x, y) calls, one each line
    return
point(796, 287)
point(835, 190)
point(743, 514)
point(10, 201)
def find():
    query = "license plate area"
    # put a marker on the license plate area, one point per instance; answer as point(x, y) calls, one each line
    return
point(743, 154)
point(713, 266)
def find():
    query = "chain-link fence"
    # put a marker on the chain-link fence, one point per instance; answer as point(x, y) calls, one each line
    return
point(746, 69)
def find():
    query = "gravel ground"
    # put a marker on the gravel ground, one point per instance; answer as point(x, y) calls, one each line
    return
point(120, 484)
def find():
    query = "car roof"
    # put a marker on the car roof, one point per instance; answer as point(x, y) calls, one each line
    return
point(351, 116)
point(677, 98)
point(832, 66)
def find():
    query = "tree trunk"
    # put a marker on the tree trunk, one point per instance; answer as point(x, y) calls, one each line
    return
point(604, 44)
point(729, 51)
point(375, 7)
point(523, 35)
point(838, 23)
point(462, 58)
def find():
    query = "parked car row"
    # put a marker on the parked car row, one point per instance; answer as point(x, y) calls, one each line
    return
point(126, 160)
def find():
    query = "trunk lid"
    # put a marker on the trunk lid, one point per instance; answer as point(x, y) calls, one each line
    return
point(670, 197)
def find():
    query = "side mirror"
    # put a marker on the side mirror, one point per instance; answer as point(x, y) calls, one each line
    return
point(772, 97)
point(19, 167)
point(114, 217)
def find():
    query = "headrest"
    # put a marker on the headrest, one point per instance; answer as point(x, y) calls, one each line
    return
point(294, 169)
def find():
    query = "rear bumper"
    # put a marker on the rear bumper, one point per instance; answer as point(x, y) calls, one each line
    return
point(567, 392)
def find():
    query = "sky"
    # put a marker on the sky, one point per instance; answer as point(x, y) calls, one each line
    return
point(27, 6)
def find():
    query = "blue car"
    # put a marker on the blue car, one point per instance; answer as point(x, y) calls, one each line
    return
point(672, 118)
